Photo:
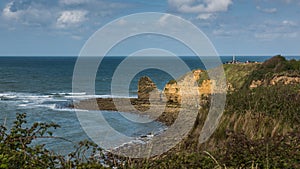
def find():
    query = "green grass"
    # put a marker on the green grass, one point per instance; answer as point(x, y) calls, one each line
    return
point(237, 74)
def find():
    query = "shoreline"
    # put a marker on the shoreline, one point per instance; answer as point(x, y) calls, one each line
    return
point(141, 107)
point(137, 106)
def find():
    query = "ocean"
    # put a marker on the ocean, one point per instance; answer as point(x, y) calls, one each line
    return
point(41, 87)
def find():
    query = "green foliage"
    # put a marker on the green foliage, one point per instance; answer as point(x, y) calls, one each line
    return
point(17, 150)
point(278, 152)
point(279, 102)
point(203, 76)
point(175, 160)
point(173, 81)
point(277, 63)
point(294, 65)
point(272, 67)
point(237, 74)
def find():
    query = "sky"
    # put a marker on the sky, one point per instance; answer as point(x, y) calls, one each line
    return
point(235, 27)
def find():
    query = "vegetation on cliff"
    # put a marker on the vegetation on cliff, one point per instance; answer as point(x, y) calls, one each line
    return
point(275, 67)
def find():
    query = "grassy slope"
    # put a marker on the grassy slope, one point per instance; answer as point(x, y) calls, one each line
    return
point(259, 126)
point(237, 74)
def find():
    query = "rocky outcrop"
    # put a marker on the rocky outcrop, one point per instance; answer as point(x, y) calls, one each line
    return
point(285, 80)
point(206, 87)
point(173, 91)
point(147, 89)
point(255, 84)
point(197, 73)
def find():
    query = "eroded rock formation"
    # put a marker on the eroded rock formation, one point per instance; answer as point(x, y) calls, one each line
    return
point(173, 91)
point(147, 89)
point(285, 80)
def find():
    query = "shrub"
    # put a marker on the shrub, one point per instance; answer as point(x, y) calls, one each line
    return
point(17, 150)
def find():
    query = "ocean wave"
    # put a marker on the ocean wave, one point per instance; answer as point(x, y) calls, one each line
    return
point(60, 101)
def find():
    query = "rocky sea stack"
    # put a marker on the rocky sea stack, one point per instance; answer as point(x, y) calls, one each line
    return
point(147, 87)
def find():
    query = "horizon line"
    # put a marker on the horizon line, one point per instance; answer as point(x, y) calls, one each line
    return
point(145, 56)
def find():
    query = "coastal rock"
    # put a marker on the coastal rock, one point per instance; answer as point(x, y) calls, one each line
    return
point(285, 80)
point(173, 90)
point(147, 89)
point(206, 87)
point(255, 84)
point(197, 73)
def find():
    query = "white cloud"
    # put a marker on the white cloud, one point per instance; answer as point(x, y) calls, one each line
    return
point(205, 16)
point(179, 3)
point(271, 30)
point(30, 15)
point(204, 9)
point(57, 13)
point(8, 14)
point(267, 10)
point(227, 31)
point(192, 6)
point(276, 35)
point(289, 23)
point(71, 18)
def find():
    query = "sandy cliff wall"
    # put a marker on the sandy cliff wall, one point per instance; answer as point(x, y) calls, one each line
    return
point(173, 90)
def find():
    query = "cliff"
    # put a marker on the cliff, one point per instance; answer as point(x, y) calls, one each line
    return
point(173, 90)
point(275, 71)
point(236, 76)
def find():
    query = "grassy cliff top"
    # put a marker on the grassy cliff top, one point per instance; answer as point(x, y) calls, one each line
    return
point(241, 75)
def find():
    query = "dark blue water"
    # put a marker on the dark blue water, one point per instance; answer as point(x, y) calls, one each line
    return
point(45, 75)
point(42, 88)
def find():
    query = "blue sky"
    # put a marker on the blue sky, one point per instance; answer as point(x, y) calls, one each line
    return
point(61, 27)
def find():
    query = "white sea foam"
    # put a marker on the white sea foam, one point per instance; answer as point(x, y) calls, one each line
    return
point(23, 105)
point(30, 100)
point(55, 101)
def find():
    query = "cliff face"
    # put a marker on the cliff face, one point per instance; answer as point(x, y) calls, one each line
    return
point(237, 77)
point(173, 90)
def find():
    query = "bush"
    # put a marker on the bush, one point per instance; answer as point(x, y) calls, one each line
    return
point(278, 152)
point(279, 102)
point(17, 150)
point(272, 67)
point(275, 62)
